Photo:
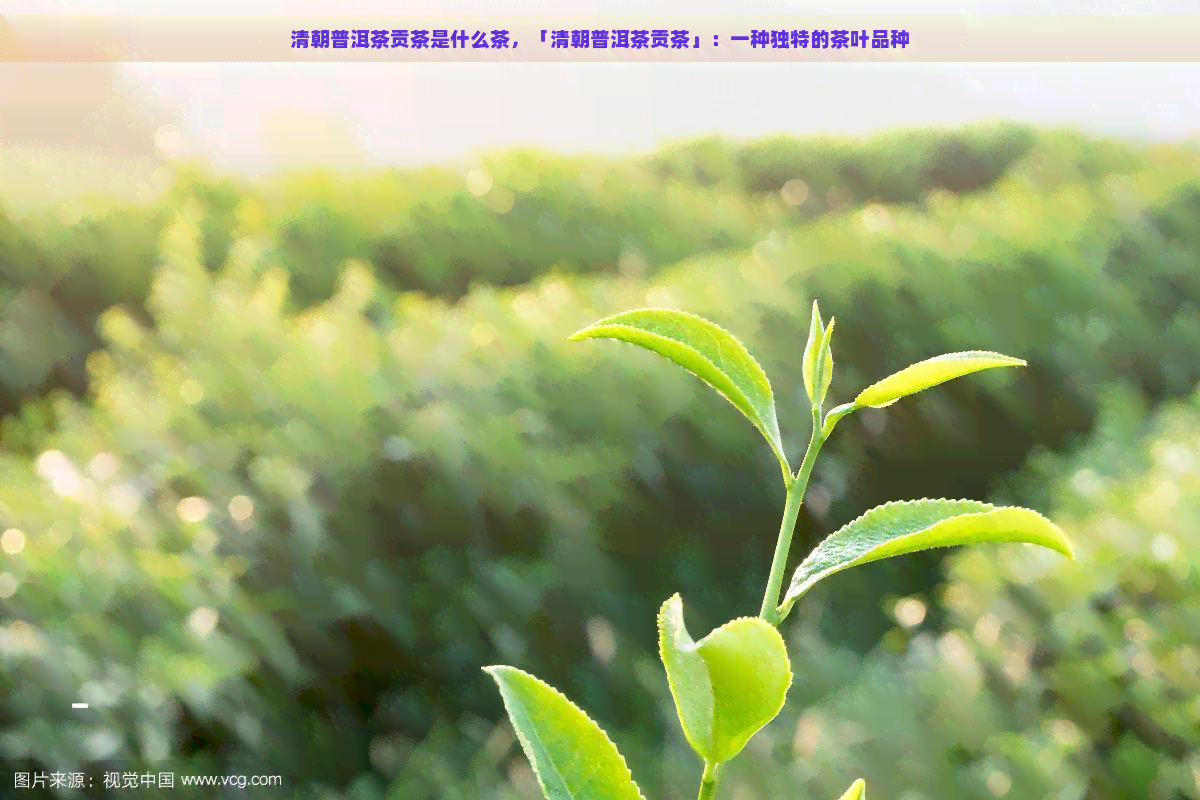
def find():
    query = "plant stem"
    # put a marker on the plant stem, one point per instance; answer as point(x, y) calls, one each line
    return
point(708, 782)
point(795, 498)
point(796, 487)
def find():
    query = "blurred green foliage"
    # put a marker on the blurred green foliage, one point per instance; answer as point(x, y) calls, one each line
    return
point(514, 217)
point(301, 504)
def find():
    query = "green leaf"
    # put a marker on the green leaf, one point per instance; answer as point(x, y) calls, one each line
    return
point(834, 416)
point(930, 372)
point(706, 350)
point(857, 791)
point(728, 685)
point(816, 330)
point(571, 756)
point(895, 529)
point(824, 372)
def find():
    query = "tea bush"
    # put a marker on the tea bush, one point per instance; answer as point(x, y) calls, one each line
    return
point(424, 229)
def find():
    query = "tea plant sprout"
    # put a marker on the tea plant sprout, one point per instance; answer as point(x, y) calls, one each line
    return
point(732, 682)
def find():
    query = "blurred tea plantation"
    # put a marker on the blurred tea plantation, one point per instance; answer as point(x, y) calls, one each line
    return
point(286, 463)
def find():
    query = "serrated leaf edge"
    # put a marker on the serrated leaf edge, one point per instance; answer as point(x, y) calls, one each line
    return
point(695, 645)
point(786, 660)
point(490, 670)
point(690, 647)
point(789, 598)
point(773, 437)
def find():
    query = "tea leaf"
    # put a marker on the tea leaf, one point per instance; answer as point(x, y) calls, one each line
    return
point(706, 350)
point(824, 371)
point(572, 757)
point(857, 791)
point(728, 685)
point(895, 529)
point(816, 331)
point(930, 372)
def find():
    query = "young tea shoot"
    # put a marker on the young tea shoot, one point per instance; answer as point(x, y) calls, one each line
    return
point(734, 681)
